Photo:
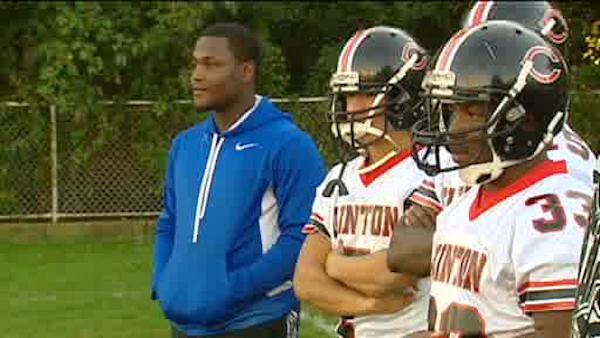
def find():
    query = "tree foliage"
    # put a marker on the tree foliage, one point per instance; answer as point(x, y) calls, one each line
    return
point(74, 55)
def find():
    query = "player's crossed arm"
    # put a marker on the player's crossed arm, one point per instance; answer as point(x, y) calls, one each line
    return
point(369, 274)
point(312, 284)
point(411, 245)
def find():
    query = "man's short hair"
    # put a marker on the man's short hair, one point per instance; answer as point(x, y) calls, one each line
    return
point(243, 43)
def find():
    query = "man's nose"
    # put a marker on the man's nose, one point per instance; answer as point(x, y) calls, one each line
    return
point(197, 74)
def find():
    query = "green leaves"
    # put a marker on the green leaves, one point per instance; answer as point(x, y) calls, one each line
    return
point(274, 78)
point(77, 54)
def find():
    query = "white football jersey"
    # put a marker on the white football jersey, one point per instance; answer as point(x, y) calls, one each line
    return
point(498, 257)
point(439, 191)
point(362, 223)
point(569, 146)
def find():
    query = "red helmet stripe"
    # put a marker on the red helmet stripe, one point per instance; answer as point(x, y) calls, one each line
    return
point(482, 11)
point(349, 51)
point(447, 54)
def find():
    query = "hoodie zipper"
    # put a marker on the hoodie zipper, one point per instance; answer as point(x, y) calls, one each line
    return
point(207, 178)
point(209, 170)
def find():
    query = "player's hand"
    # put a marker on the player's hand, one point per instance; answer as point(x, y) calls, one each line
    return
point(420, 216)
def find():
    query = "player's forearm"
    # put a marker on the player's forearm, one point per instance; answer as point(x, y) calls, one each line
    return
point(367, 289)
point(367, 274)
point(313, 285)
point(410, 250)
point(356, 269)
point(382, 289)
point(327, 294)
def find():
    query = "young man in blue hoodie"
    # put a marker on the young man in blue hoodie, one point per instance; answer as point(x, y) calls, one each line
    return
point(238, 189)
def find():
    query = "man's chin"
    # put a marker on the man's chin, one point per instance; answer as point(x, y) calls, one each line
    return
point(202, 106)
point(462, 160)
point(475, 162)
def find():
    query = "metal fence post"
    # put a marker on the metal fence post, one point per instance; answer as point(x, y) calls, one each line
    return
point(54, 163)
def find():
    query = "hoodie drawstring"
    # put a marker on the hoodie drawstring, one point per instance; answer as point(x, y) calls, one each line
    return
point(209, 170)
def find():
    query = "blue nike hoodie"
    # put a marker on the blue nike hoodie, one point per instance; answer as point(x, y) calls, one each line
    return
point(230, 231)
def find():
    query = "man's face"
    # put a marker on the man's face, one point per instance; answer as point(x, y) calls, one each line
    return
point(215, 76)
point(358, 101)
point(358, 104)
point(471, 145)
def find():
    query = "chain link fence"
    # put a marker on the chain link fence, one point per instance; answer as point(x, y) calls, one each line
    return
point(25, 166)
point(108, 160)
point(103, 161)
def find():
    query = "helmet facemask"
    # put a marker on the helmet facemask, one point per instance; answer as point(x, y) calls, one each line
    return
point(505, 131)
point(391, 101)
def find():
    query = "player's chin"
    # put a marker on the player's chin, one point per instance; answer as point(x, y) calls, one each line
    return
point(465, 157)
point(470, 154)
point(202, 104)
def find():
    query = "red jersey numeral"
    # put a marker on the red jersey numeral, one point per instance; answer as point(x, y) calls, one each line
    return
point(583, 220)
point(557, 220)
point(550, 203)
point(458, 320)
point(576, 145)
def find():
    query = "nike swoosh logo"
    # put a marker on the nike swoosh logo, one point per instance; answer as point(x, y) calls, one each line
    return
point(240, 147)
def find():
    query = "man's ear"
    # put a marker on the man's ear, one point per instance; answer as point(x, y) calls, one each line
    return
point(248, 69)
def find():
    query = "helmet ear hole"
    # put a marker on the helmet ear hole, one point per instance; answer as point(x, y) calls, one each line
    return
point(522, 135)
point(402, 111)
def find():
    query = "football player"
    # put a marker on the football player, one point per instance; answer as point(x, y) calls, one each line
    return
point(505, 254)
point(548, 21)
point(342, 266)
point(410, 252)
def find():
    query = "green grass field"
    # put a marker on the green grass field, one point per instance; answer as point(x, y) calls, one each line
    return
point(87, 289)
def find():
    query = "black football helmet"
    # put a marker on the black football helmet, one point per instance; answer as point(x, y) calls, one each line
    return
point(517, 74)
point(539, 16)
point(381, 61)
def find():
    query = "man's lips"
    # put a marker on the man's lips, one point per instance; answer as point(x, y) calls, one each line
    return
point(198, 92)
point(198, 87)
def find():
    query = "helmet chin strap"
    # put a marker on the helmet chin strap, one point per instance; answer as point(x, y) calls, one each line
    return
point(362, 129)
point(487, 172)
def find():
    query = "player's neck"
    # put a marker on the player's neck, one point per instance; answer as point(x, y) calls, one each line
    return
point(227, 116)
point(511, 174)
point(383, 148)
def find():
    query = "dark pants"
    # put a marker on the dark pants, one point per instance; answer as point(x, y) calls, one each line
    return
point(286, 327)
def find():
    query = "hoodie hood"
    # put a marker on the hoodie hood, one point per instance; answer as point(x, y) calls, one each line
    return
point(262, 112)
